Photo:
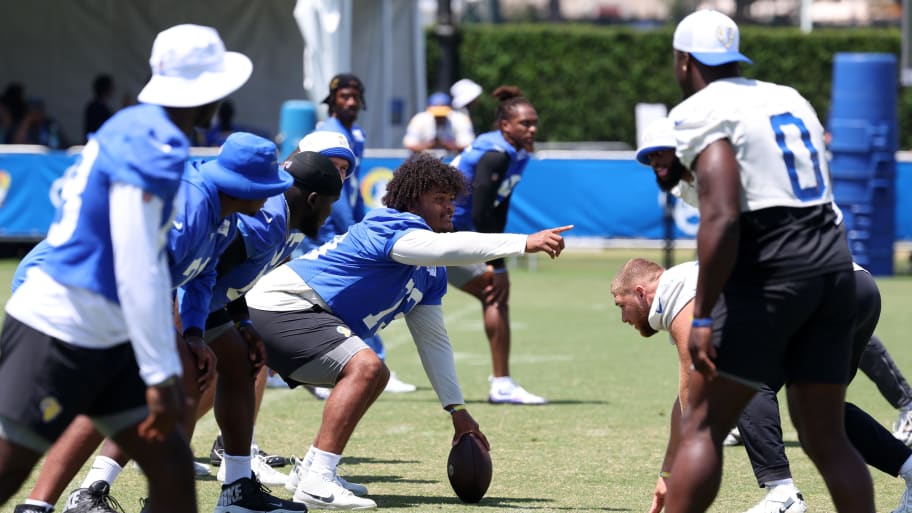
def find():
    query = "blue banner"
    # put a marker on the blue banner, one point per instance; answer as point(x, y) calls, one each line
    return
point(610, 198)
point(29, 192)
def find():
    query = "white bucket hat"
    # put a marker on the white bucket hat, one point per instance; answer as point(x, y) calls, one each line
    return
point(190, 67)
point(463, 92)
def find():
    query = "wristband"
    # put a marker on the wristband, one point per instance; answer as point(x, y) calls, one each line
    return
point(702, 322)
point(455, 408)
point(245, 323)
point(664, 474)
point(500, 270)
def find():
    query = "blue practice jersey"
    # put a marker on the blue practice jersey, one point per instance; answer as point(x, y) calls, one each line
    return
point(197, 237)
point(138, 146)
point(268, 241)
point(356, 277)
point(466, 162)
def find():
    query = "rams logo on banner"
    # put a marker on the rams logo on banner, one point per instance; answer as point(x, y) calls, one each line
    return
point(5, 180)
point(373, 186)
point(50, 408)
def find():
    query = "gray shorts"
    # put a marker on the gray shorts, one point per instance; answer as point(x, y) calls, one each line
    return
point(309, 347)
point(459, 275)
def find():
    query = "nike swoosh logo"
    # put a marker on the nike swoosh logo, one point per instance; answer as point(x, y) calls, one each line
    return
point(178, 225)
point(328, 498)
point(268, 218)
point(659, 308)
point(678, 122)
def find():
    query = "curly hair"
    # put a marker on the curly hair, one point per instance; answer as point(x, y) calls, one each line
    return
point(510, 97)
point(420, 173)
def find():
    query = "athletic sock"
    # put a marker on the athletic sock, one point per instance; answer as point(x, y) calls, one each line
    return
point(906, 469)
point(779, 482)
point(502, 381)
point(236, 467)
point(103, 469)
point(325, 463)
point(308, 459)
point(41, 504)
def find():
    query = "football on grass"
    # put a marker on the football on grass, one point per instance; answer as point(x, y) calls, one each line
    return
point(469, 468)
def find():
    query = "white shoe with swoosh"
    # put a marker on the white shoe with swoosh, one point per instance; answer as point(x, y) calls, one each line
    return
point(320, 492)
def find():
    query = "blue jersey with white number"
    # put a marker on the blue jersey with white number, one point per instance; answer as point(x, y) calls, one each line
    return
point(468, 159)
point(358, 280)
point(138, 146)
point(268, 241)
point(197, 237)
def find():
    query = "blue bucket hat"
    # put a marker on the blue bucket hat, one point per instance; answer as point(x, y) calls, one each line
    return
point(247, 168)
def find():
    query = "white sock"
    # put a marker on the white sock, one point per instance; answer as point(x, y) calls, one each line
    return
point(325, 463)
point(906, 470)
point(769, 485)
point(501, 382)
point(308, 459)
point(41, 504)
point(236, 467)
point(103, 469)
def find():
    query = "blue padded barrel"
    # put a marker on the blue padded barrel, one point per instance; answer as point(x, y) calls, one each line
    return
point(864, 129)
point(296, 119)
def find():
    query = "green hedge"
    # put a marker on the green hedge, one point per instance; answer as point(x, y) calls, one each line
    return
point(585, 80)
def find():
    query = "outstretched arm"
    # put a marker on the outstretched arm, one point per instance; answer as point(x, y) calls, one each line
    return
point(424, 247)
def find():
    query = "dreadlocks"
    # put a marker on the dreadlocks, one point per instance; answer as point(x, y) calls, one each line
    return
point(510, 97)
point(420, 173)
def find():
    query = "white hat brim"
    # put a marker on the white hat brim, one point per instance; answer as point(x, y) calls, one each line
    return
point(200, 90)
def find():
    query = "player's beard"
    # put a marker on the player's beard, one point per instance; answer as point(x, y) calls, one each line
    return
point(670, 180)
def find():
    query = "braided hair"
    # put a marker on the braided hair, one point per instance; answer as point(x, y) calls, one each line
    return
point(510, 97)
point(420, 173)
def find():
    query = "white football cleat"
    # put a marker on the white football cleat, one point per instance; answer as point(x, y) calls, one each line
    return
point(397, 386)
point(264, 473)
point(781, 499)
point(902, 428)
point(512, 393)
point(294, 477)
point(318, 492)
point(732, 438)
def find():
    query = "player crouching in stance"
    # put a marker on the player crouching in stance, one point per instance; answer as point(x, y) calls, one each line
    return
point(314, 312)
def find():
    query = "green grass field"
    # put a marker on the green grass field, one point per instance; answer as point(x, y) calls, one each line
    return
point(596, 447)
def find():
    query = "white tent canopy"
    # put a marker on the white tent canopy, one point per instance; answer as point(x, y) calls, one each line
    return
point(55, 49)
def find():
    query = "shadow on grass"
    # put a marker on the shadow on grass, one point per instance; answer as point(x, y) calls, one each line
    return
point(355, 460)
point(558, 402)
point(500, 503)
point(384, 479)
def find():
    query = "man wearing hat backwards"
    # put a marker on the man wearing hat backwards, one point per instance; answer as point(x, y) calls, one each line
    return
point(759, 424)
point(102, 296)
point(438, 127)
point(211, 197)
point(345, 101)
point(771, 254)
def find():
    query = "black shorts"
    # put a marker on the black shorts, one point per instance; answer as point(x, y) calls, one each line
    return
point(867, 314)
point(799, 331)
point(45, 383)
point(306, 346)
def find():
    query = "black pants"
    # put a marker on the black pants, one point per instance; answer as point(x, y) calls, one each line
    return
point(761, 428)
point(878, 365)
